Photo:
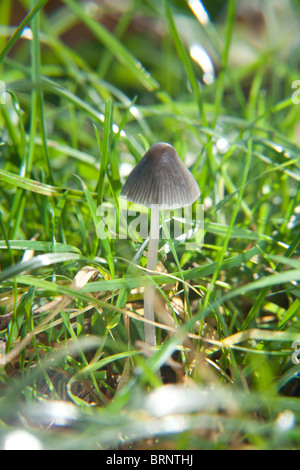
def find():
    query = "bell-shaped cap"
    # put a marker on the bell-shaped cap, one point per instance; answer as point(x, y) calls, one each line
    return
point(161, 178)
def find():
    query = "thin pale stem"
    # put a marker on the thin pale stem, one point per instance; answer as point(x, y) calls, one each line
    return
point(151, 265)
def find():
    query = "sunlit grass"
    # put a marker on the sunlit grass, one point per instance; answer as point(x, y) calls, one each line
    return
point(78, 113)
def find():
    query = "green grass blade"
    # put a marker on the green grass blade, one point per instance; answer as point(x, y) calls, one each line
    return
point(114, 46)
point(228, 35)
point(105, 147)
point(96, 219)
point(36, 186)
point(232, 220)
point(38, 262)
point(186, 60)
point(13, 39)
point(37, 246)
point(262, 295)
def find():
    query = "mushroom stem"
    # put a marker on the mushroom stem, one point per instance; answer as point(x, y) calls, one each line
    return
point(151, 265)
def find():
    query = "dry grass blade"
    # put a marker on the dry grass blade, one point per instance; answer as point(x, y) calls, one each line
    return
point(86, 274)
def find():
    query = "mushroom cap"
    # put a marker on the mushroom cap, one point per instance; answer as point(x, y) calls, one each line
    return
point(161, 179)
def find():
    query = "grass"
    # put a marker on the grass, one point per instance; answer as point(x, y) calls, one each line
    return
point(88, 89)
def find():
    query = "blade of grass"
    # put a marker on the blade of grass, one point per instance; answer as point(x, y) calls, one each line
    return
point(39, 261)
point(272, 280)
point(5, 12)
point(294, 309)
point(37, 246)
point(229, 342)
point(12, 261)
point(114, 46)
point(186, 61)
point(13, 39)
point(96, 219)
point(104, 148)
point(261, 297)
point(25, 170)
point(191, 274)
point(232, 221)
point(36, 186)
point(84, 361)
point(93, 367)
point(230, 17)
point(121, 27)
point(167, 235)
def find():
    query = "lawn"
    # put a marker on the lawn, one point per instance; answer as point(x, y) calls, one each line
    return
point(85, 89)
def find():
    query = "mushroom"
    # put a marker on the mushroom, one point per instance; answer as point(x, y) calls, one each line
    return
point(159, 181)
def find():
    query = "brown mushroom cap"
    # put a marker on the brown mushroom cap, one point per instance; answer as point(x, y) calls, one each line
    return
point(161, 178)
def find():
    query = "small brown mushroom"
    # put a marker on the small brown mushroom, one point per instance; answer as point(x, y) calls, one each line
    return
point(159, 181)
